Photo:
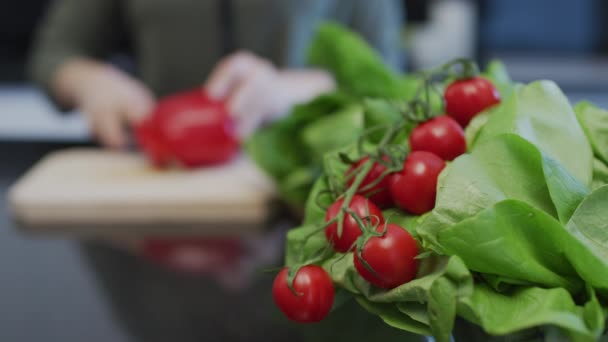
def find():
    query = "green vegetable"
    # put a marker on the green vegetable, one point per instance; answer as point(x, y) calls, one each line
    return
point(506, 167)
point(379, 114)
point(341, 128)
point(518, 240)
point(526, 307)
point(595, 124)
point(541, 113)
point(357, 68)
point(600, 174)
point(275, 149)
point(472, 131)
point(290, 150)
point(496, 72)
point(522, 243)
point(589, 224)
point(286, 158)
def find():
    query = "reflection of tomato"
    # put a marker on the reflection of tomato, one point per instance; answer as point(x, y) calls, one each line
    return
point(193, 254)
point(150, 139)
point(194, 128)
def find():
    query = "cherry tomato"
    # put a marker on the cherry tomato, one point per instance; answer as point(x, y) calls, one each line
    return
point(193, 254)
point(441, 135)
point(379, 193)
point(415, 187)
point(315, 294)
point(150, 140)
point(194, 128)
point(391, 256)
point(364, 208)
point(466, 98)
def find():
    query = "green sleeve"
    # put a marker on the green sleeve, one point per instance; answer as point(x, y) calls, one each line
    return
point(73, 28)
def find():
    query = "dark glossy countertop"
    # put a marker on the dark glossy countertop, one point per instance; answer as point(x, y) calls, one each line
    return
point(47, 292)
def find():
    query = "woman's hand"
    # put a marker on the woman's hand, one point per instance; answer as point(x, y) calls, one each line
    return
point(110, 99)
point(256, 91)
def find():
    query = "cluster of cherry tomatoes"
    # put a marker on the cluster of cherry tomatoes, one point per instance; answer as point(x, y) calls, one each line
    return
point(384, 254)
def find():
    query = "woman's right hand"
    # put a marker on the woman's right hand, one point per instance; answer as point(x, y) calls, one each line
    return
point(109, 99)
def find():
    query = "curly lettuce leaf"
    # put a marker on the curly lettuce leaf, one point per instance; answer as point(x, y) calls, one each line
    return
point(541, 113)
point(497, 73)
point(527, 307)
point(341, 128)
point(594, 121)
point(589, 224)
point(274, 148)
point(425, 305)
point(356, 66)
point(280, 152)
point(505, 167)
point(600, 174)
point(523, 243)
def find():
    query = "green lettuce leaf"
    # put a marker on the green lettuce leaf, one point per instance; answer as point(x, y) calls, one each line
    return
point(274, 148)
point(523, 243)
point(356, 66)
point(594, 121)
point(473, 129)
point(497, 73)
point(527, 307)
point(520, 242)
point(600, 174)
point(595, 124)
point(541, 113)
point(505, 167)
point(425, 305)
point(334, 131)
point(589, 224)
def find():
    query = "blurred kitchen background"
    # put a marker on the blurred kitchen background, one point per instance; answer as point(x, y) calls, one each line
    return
point(47, 293)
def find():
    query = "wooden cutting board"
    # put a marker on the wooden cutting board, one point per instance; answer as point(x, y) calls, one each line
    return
point(100, 192)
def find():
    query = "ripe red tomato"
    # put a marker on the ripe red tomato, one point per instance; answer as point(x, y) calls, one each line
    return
point(315, 294)
point(196, 129)
point(466, 98)
point(441, 135)
point(415, 187)
point(150, 140)
point(391, 256)
point(364, 208)
point(379, 194)
point(193, 254)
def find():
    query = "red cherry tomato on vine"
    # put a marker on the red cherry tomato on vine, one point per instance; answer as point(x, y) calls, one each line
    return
point(466, 98)
point(315, 294)
point(151, 141)
point(415, 187)
point(391, 256)
point(364, 208)
point(379, 193)
point(441, 135)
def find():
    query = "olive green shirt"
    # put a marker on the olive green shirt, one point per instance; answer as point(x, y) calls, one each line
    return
point(176, 43)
